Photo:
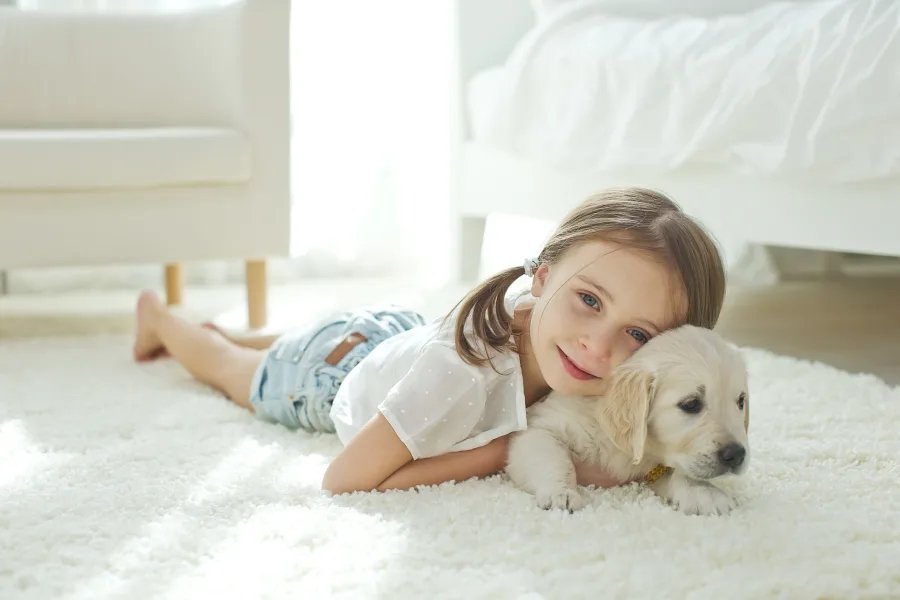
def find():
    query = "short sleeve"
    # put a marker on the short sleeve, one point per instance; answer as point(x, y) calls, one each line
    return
point(437, 403)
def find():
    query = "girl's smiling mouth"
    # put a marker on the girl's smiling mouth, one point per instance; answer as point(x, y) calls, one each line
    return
point(572, 369)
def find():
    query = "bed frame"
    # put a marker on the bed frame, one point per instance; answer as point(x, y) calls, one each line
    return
point(862, 218)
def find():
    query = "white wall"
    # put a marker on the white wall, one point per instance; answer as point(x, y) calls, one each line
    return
point(371, 121)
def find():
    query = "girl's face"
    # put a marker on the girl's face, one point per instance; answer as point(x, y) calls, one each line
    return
point(595, 307)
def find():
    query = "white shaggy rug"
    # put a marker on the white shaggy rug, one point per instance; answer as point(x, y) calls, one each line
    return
point(120, 480)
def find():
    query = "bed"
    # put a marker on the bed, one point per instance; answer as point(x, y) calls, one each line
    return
point(771, 123)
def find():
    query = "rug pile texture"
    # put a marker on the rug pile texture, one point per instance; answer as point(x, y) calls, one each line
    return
point(124, 480)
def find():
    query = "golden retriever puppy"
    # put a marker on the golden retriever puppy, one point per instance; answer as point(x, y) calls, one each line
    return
point(681, 401)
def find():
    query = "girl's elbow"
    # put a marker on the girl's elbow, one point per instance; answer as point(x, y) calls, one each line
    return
point(332, 484)
point(335, 483)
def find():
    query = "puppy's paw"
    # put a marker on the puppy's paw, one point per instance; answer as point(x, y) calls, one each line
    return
point(564, 499)
point(702, 499)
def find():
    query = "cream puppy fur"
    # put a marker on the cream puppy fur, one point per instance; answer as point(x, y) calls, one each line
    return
point(680, 401)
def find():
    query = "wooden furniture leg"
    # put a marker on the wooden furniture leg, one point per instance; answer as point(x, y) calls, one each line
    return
point(257, 313)
point(174, 283)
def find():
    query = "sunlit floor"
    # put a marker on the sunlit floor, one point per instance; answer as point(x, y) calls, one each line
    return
point(850, 323)
point(853, 324)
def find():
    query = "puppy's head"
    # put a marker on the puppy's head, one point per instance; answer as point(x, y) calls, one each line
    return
point(682, 399)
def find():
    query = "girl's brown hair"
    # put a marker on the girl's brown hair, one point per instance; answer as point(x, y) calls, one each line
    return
point(634, 217)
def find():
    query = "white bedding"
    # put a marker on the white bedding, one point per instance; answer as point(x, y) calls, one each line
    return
point(801, 89)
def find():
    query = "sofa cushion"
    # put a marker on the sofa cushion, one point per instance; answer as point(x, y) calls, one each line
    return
point(63, 67)
point(71, 159)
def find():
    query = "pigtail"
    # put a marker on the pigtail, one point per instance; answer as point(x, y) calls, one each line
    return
point(485, 308)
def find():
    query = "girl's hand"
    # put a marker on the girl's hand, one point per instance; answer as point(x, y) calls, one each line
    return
point(588, 474)
point(585, 474)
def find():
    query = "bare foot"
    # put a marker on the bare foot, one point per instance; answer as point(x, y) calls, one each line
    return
point(147, 345)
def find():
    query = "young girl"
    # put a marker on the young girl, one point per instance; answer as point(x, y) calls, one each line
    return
point(418, 403)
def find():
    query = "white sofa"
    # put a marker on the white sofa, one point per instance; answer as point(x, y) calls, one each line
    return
point(146, 136)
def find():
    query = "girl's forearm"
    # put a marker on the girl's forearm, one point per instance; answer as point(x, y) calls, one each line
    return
point(588, 474)
point(455, 466)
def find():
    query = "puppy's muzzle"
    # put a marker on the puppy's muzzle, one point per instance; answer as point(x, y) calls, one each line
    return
point(732, 456)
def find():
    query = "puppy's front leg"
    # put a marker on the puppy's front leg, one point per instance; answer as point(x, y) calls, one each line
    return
point(693, 496)
point(541, 464)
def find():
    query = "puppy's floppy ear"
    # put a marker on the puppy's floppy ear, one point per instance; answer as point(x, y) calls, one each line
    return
point(623, 410)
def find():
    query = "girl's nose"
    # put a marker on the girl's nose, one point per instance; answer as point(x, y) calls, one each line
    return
point(598, 348)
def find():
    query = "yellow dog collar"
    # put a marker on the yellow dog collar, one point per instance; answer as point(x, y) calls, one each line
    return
point(657, 472)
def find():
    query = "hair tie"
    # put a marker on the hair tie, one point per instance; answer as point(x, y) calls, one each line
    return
point(530, 265)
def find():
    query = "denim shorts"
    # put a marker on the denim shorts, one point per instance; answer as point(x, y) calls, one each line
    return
point(296, 382)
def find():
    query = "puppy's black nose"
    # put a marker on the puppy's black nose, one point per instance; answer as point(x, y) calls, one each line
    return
point(732, 455)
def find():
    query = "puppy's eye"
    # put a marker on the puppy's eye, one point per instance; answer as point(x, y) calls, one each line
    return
point(741, 400)
point(691, 405)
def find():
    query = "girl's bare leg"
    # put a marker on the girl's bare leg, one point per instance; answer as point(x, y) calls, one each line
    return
point(205, 353)
point(258, 342)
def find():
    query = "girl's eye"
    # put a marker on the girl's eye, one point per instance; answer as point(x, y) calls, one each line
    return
point(590, 300)
point(691, 405)
point(741, 399)
point(639, 335)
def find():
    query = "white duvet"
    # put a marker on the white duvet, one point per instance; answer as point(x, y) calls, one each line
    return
point(801, 89)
